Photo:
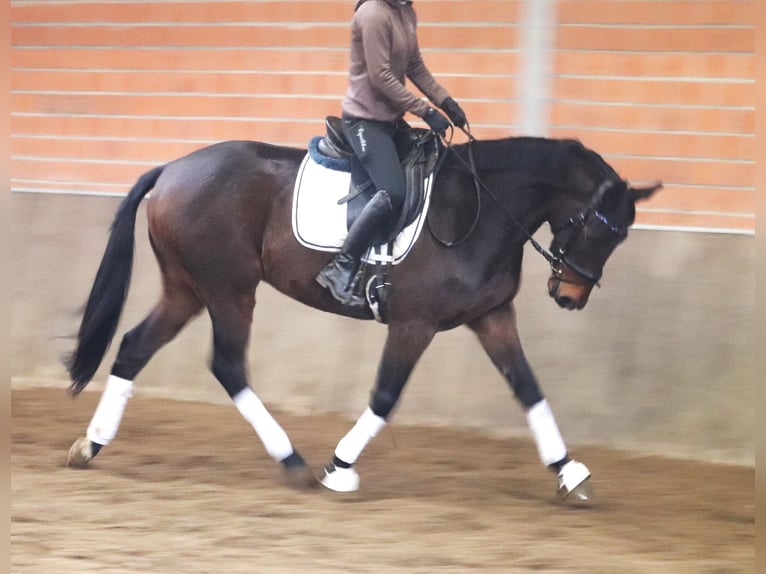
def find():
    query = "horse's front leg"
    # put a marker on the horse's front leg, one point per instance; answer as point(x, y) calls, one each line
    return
point(405, 344)
point(499, 336)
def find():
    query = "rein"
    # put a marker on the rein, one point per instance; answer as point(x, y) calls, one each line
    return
point(477, 190)
point(577, 222)
point(479, 185)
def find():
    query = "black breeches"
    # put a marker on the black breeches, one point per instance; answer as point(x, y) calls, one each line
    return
point(373, 144)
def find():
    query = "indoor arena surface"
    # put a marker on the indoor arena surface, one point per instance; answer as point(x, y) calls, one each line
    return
point(187, 488)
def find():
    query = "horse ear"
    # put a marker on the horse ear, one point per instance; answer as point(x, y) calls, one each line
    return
point(640, 193)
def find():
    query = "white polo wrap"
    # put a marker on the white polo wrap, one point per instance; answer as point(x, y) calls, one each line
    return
point(366, 428)
point(550, 445)
point(273, 436)
point(106, 420)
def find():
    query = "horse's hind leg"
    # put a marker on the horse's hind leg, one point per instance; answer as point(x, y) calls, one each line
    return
point(177, 305)
point(232, 316)
point(499, 336)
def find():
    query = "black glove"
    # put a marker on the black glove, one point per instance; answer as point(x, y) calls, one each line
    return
point(454, 112)
point(436, 121)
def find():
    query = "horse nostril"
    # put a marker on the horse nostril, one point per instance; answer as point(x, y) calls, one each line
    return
point(566, 302)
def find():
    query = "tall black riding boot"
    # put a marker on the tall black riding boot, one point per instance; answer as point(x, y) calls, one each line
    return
point(339, 274)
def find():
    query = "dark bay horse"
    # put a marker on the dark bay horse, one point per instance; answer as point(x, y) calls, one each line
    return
point(220, 223)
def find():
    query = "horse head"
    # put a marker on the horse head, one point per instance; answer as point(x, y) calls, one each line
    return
point(584, 236)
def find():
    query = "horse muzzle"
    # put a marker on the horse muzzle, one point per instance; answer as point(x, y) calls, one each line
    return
point(569, 293)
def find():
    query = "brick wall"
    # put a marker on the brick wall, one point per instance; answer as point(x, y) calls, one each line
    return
point(664, 90)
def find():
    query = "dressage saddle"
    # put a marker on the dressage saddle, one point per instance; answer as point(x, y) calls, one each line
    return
point(418, 150)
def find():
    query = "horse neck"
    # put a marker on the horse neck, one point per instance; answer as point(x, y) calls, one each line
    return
point(536, 176)
point(523, 176)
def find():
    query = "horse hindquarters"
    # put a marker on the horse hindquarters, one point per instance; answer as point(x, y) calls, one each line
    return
point(184, 246)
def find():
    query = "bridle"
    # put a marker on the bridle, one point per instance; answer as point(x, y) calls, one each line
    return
point(557, 258)
point(576, 224)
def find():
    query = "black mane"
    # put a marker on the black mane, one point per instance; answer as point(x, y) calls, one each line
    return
point(547, 158)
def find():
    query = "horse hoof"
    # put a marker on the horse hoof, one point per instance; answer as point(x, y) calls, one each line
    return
point(80, 453)
point(581, 494)
point(340, 479)
point(297, 473)
point(574, 485)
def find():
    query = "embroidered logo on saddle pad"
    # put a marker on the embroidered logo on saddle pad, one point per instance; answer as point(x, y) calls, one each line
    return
point(319, 222)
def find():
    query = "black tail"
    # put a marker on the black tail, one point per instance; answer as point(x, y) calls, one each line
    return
point(110, 289)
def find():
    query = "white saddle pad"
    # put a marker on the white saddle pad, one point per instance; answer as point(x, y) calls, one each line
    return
point(320, 223)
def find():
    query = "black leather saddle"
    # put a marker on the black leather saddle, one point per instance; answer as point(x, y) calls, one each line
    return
point(334, 143)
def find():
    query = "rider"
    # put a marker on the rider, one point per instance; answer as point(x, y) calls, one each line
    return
point(384, 50)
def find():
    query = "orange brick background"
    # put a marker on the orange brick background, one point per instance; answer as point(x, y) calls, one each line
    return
point(100, 91)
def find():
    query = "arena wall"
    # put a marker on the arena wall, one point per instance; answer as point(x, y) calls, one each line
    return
point(663, 357)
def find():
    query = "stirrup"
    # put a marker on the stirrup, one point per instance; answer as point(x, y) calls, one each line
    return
point(351, 300)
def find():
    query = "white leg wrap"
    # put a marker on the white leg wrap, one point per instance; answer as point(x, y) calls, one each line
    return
point(273, 436)
point(106, 420)
point(366, 428)
point(550, 445)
